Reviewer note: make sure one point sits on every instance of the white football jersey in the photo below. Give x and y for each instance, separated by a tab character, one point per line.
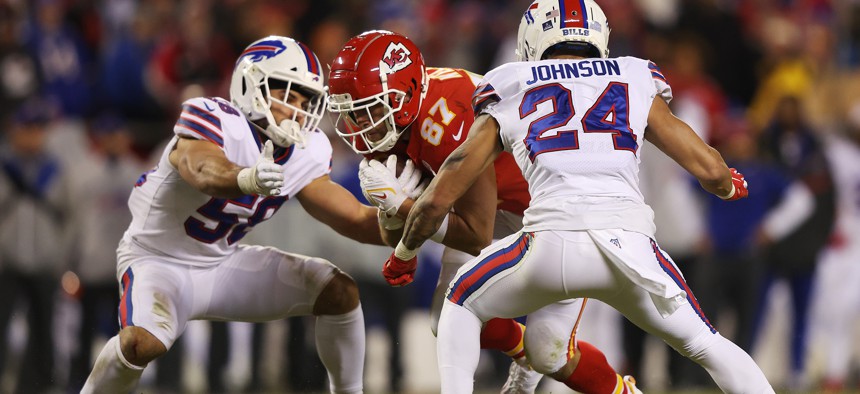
576	128
174	220
844	158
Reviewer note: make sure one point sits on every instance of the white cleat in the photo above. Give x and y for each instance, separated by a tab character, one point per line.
630	384
522	379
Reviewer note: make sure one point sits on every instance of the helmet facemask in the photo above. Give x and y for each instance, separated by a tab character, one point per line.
377	110
291	130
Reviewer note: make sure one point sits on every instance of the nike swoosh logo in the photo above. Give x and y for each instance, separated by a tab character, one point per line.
205	104
379	196
459	132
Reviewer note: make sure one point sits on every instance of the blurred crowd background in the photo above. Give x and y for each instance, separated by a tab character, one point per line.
89	91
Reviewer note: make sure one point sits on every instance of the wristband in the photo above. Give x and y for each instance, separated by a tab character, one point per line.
440	233
731	193
245	180
404	253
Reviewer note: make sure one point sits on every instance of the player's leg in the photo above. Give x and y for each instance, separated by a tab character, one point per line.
153	310
270	284
838	308
505	335
687	329
458	348
340	333
459	338
516	276
581	366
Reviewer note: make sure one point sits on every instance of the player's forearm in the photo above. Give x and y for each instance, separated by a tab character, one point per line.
424	219
391	237
363	228
405	207
212	175
466	238
713	173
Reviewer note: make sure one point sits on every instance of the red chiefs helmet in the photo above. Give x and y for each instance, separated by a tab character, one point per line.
377	83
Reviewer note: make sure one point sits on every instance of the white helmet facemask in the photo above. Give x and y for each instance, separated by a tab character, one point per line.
549	22
349	112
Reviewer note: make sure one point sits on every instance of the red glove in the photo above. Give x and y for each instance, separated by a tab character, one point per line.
739	186
399	272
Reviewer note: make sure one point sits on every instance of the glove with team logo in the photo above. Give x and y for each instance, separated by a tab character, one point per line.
265	178
399	269
739	187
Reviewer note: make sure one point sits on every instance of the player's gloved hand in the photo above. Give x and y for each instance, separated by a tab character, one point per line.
399	269
389	222
265	178
409	178
380	186
739	187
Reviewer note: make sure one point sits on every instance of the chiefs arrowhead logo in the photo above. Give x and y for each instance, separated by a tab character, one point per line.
396	58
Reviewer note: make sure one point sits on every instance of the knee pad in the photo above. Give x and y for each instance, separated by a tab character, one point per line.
698	345
341	294
139	347
546	346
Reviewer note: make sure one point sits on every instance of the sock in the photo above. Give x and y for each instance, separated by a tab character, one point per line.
593	374
505	335
112	373
340	345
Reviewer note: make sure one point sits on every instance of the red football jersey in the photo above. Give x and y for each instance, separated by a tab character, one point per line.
443	124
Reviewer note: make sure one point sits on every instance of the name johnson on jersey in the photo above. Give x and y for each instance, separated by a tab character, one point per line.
581	69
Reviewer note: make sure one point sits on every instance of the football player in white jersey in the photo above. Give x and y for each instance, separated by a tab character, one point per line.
838	302
230	166
574	120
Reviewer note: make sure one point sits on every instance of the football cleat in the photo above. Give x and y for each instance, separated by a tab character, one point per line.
522	379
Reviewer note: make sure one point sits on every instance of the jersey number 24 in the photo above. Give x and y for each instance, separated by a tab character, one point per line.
609	114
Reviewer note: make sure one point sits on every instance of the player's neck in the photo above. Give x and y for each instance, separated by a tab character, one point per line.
566	57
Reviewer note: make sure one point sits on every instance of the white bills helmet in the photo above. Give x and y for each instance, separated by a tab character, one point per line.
279	63
549	22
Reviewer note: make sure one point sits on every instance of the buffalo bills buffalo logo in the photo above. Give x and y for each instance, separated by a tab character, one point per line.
396	57
263	50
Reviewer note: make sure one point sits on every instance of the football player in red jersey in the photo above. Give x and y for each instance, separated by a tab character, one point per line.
390	105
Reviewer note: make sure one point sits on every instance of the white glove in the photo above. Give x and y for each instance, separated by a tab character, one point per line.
380	186
389	222
265	178
409	179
